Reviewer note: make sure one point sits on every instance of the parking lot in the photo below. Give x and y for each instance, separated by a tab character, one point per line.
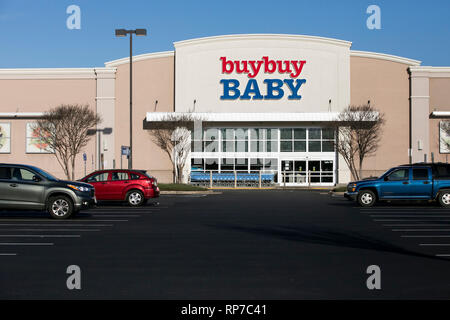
425	225
267	244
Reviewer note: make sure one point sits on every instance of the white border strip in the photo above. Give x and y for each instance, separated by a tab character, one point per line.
153	55
383	56
262	36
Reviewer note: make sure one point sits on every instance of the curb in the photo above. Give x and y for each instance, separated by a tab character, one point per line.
188	192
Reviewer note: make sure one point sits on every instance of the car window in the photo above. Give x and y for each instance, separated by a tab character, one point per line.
115	176
134	176
398	175
5	173
442	171
99	177
20	174
420	174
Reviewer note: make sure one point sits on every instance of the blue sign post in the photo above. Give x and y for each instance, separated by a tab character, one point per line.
84	160
124	151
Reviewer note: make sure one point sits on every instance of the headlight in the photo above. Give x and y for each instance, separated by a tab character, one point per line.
82	189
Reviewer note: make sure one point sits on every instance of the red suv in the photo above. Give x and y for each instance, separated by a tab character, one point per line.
133	186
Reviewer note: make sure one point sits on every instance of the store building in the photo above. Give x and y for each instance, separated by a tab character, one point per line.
265	102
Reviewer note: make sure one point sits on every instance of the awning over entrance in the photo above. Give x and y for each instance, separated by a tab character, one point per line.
247	117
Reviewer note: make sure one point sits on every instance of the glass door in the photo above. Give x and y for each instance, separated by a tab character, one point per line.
306	172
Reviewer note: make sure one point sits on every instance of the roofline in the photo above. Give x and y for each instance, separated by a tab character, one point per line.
429	72
55	73
384	56
140	57
262	36
21	115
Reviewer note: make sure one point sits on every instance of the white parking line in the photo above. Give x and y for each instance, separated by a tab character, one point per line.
51	230
434	244
427	236
8	254
40	236
443	255
414	225
26	244
411	220
65	221
405	216
403	208
52	225
419	230
116	216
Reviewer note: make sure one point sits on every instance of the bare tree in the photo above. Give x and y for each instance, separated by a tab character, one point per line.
359	131
64	129
173	135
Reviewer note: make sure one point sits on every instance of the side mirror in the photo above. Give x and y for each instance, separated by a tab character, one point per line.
36	179
386	178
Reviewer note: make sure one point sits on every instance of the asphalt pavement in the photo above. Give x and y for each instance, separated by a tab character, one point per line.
267	244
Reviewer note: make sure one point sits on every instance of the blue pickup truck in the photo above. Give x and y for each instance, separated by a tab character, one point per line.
419	181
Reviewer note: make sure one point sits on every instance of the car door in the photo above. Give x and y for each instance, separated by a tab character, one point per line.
421	184
26	188
396	184
119	182
5	181
100	183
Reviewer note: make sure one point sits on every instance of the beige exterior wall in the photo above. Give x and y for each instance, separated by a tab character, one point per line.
38	93
386	84
439	101
153	80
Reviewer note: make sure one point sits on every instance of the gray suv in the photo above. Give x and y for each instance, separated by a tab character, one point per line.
28	187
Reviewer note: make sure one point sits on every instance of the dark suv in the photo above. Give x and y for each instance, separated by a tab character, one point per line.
28	187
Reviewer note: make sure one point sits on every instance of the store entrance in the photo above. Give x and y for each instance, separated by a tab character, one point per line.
304	172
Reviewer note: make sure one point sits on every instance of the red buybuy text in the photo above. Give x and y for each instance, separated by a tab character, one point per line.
253	67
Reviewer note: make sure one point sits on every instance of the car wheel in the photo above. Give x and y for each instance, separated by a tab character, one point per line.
135	198
366	198
60	207
444	198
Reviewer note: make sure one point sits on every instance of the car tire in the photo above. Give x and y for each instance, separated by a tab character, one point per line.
60	207
444	198
135	198
366	198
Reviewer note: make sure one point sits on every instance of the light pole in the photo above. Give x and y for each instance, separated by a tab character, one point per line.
123	33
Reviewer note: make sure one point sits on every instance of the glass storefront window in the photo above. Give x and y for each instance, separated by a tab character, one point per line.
271	134
327	146
228	146
241	134
300	134
241	146
272	146
328	134
256	164
314	134
227	164
241	164
314	146
227	134
211	146
212	164
211	134
286	146
197	164
299	146
286	134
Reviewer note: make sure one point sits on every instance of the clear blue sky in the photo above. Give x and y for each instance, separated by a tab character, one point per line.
34	33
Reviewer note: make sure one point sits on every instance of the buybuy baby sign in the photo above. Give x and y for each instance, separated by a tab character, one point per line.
281	78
